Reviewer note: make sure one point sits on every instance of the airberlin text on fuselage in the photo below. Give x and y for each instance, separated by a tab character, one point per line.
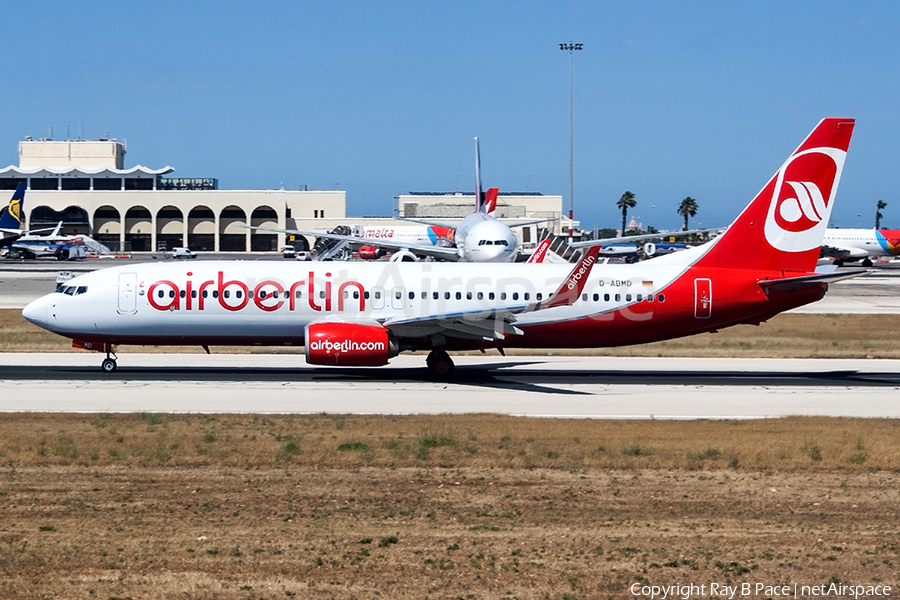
268	295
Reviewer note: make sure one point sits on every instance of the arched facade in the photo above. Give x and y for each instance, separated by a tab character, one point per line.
264	241
203	220
170	228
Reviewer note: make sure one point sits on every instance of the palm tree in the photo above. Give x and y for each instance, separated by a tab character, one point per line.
625	202
687	208
881	206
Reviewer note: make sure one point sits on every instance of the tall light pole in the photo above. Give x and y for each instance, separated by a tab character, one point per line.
571	47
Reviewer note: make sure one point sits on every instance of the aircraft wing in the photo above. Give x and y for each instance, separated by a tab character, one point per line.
523	222
639	238
494	324
455	224
449	254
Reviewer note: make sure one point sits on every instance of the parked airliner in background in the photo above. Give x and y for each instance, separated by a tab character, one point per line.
850	245
364	313
479	237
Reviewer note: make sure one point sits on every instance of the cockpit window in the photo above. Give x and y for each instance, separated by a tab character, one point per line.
82	289
69	290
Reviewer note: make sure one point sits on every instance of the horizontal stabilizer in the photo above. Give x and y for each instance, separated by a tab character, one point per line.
796	283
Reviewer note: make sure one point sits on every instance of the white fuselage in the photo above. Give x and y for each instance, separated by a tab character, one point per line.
482	238
272	302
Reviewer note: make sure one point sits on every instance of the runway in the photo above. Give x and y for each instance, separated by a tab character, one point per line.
553	386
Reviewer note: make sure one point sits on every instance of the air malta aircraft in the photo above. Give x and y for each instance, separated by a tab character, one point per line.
849	245
364	313
479	237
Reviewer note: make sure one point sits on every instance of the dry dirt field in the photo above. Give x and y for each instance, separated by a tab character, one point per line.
472	506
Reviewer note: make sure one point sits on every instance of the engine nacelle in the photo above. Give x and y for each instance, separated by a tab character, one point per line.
348	345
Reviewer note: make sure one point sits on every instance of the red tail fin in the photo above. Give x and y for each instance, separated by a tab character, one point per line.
783	227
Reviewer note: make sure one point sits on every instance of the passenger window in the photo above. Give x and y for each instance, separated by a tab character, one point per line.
171	293
182	294
661	297
365	295
491	296
377	295
345	294
596	297
412	295
649	297
640	297
538	296
527	296
424	295
459	295
435	295
446	295
397	295
226	294
193	293
515	295
321	294
161	294
606	297
298	293
618	297
584	297
356	295
627	297
216	294
481	295
468	295
503	295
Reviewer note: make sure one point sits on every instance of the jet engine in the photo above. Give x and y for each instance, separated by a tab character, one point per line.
349	345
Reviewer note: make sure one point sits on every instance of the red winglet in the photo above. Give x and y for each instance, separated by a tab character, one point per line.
540	252
572	287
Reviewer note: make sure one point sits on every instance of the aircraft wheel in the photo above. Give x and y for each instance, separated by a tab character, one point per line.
838	263
440	364
867	263
108	365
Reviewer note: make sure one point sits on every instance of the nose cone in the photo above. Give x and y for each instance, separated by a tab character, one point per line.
37	312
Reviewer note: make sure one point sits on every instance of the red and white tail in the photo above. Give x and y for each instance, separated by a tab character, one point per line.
783	227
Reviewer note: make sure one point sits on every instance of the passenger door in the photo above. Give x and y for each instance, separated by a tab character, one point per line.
127	293
702	298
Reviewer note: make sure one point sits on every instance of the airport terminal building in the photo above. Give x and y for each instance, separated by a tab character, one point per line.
84	184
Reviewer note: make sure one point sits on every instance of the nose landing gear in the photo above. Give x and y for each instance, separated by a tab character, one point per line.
109	363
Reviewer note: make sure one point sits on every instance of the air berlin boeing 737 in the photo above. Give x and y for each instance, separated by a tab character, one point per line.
362	314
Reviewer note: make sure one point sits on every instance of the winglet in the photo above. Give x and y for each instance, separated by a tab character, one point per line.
540	252
574	284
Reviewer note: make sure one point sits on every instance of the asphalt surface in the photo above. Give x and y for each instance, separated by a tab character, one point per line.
582	387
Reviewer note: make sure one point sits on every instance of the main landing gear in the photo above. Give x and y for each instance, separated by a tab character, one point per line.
109	363
440	365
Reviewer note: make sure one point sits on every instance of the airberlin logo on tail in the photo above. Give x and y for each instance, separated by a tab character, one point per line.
802	199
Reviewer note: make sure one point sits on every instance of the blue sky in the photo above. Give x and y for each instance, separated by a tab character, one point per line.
672	99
